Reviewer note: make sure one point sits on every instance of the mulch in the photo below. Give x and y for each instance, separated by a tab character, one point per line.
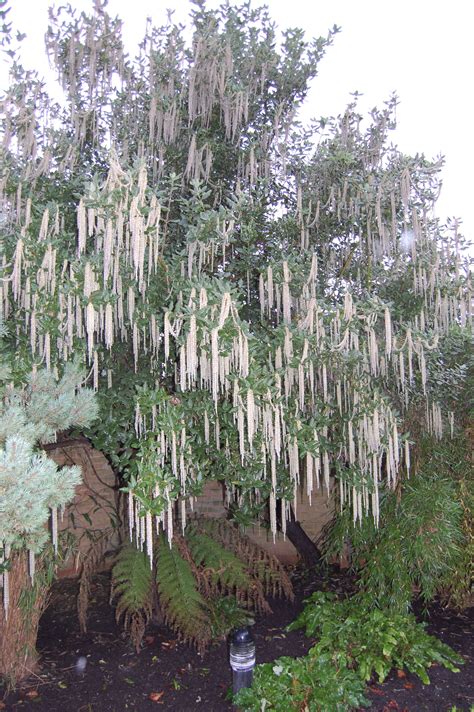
99	672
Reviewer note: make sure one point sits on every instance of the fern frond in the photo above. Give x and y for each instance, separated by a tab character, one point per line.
183	605
223	566
90	564
259	563
132	586
225	572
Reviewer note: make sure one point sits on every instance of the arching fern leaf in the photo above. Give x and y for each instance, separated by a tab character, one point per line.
260	564
132	586
225	572
183	605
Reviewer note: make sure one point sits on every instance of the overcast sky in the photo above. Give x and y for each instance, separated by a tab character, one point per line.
421	49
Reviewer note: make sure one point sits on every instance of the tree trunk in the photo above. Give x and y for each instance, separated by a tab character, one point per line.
19	627
306	548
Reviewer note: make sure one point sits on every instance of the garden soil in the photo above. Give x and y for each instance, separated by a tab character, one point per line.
99	671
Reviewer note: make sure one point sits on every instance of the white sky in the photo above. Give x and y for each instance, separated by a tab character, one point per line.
422	49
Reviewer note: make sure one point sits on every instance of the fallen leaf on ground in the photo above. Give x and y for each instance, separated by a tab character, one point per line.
156	696
409	685
401	673
376	690
32	694
149	639
169	644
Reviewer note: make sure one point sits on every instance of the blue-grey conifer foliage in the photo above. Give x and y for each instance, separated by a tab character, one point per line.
31	483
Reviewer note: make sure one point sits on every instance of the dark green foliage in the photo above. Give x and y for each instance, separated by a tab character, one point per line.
193	577
132	586
457	589
420	540
225	572
182	603
372	640
355	642
312	683
225	614
203	587
223	567
263	566
418	547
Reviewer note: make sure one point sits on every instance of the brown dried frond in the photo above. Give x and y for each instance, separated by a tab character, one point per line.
90	564
225	573
19	630
262	565
136	626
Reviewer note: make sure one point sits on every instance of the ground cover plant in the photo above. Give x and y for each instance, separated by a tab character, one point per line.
177	677
255	301
356	642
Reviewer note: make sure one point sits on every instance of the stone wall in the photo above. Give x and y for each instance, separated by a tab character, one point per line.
93	507
312	517
94	504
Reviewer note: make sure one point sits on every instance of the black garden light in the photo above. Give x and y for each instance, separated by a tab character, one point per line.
242	658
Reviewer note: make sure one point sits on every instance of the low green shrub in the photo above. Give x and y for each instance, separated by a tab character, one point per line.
316	683
356	642
374	641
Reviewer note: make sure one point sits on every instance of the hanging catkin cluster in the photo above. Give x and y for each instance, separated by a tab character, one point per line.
170	225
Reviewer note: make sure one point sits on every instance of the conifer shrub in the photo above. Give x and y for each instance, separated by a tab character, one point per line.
32	491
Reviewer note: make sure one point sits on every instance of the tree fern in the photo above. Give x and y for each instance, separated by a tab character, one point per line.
207	582
132	586
183	605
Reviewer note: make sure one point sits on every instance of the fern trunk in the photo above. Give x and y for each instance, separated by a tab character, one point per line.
19	629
